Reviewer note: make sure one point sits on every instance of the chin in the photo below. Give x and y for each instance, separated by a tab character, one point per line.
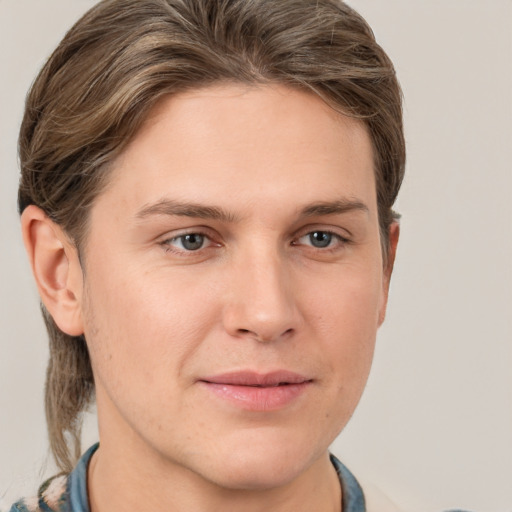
259	475
262	466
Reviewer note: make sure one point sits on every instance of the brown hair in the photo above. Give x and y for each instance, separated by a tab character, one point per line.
122	57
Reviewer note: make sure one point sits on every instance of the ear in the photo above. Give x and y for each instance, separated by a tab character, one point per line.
56	268
394	234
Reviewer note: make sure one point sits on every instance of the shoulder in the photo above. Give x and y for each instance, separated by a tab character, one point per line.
360	496
376	500
62	493
363	496
50	498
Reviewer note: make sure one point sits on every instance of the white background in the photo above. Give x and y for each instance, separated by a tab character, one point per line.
434	429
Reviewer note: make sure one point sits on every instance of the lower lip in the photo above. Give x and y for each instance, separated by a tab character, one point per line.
254	398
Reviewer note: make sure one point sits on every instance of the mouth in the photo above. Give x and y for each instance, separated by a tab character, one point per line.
258	391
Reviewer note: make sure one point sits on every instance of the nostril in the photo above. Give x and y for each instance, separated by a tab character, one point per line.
260	337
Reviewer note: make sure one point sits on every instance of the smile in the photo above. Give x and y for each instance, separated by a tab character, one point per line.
258	392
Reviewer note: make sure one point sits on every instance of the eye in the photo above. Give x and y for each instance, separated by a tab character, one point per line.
321	239
187	242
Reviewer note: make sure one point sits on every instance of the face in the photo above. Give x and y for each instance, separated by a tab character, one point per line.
234	284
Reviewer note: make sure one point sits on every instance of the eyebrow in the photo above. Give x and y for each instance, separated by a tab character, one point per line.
334	207
172	207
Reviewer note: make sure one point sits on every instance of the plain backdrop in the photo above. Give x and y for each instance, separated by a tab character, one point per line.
434	428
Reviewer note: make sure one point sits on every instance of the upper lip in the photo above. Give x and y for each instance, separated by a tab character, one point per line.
252	378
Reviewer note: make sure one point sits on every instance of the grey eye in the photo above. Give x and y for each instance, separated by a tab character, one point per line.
320	238
192	241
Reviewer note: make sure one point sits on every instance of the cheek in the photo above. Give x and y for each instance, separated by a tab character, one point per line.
349	299
342	322
142	325
347	316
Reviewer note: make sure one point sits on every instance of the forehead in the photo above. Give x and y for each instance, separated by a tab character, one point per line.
244	144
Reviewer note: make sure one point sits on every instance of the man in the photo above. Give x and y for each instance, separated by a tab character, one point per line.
206	201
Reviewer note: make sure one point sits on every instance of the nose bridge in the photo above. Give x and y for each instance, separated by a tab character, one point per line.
261	303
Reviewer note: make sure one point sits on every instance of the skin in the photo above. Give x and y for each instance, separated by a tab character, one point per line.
259	294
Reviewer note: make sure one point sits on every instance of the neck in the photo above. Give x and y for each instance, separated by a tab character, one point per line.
119	481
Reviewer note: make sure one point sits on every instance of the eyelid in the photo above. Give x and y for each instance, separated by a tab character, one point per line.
192	230
337	231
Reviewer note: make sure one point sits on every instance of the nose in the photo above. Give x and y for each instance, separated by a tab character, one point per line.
261	301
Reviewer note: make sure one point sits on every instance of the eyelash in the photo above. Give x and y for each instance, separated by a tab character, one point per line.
341	241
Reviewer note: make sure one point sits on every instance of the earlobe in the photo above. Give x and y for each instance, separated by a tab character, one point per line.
394	234
56	268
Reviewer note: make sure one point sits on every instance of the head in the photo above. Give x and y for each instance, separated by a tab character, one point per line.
114	78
